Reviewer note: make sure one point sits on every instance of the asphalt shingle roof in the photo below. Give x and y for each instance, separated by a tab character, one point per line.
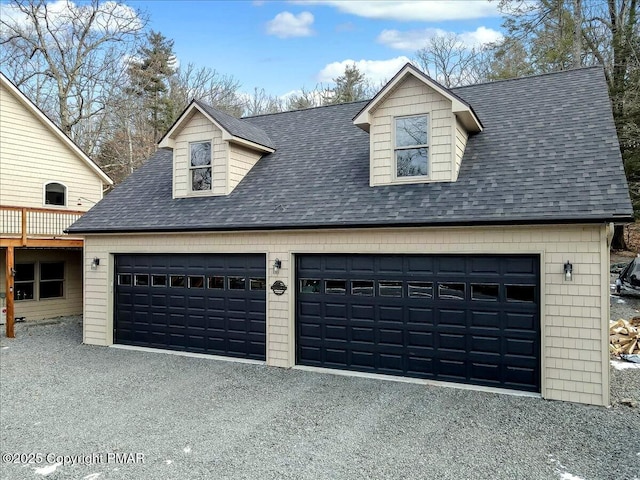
548	153
237	127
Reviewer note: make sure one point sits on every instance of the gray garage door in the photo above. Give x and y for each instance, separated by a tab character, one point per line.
211	304
467	319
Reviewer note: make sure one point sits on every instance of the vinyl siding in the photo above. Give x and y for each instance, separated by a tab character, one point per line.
199	129
32	155
411	97
241	160
69	304
574	315
461	143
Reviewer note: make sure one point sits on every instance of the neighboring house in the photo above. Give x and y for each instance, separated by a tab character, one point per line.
46	183
457	235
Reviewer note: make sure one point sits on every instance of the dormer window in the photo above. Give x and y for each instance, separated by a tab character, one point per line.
55	194
412	146
200	166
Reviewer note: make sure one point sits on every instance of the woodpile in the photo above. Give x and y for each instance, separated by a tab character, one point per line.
624	337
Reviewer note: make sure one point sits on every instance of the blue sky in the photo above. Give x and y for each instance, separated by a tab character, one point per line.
283	46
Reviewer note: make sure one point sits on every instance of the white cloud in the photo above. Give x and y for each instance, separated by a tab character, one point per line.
412	40
419	10
481	36
286	25
375	71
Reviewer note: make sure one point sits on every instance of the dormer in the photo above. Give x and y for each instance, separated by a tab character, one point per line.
418	130
212	151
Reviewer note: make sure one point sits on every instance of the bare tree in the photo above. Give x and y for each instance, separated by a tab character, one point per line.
259	103
304	99
448	61
206	84
70	59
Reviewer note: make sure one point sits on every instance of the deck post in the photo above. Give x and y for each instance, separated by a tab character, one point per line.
9	291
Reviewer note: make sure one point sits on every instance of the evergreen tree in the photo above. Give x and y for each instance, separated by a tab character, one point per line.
150	75
350	87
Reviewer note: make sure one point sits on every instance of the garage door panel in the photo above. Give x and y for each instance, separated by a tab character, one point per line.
519	377
486	372
362	312
362	265
335	332
525	347
391	314
200	303
521	321
336	356
484	266
449	317
490	319
420	366
452	370
391	337
463	318
419	339
485	344
362	359
451	265
390	363
419	265
362	334
335	310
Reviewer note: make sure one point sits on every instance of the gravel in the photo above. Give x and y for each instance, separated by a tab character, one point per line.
195	418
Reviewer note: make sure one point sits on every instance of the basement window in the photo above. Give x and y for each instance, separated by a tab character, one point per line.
200	166
411	146
52	280
24	281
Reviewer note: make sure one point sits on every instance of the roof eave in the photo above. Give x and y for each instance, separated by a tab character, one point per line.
613	218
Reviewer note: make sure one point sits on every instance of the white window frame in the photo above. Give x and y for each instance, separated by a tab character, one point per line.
44	194
191	168
396	148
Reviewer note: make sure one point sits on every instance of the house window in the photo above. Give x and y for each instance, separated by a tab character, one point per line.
200	166
24	281
51	280
412	147
55	194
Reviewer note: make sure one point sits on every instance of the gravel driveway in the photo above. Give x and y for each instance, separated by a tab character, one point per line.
193	418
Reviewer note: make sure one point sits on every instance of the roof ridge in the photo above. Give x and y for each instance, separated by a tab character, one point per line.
304	109
525	77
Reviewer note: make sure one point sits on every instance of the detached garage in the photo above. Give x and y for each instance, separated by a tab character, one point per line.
443	235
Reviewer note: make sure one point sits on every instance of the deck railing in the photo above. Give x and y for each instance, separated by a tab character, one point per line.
41	222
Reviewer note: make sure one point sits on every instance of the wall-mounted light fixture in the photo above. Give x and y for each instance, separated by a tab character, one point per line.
94	263
86	200
13	272
277	264
568	271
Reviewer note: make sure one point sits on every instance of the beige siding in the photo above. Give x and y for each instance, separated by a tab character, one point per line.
69	304
199	129
461	143
241	160
31	155
574	314
411	97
